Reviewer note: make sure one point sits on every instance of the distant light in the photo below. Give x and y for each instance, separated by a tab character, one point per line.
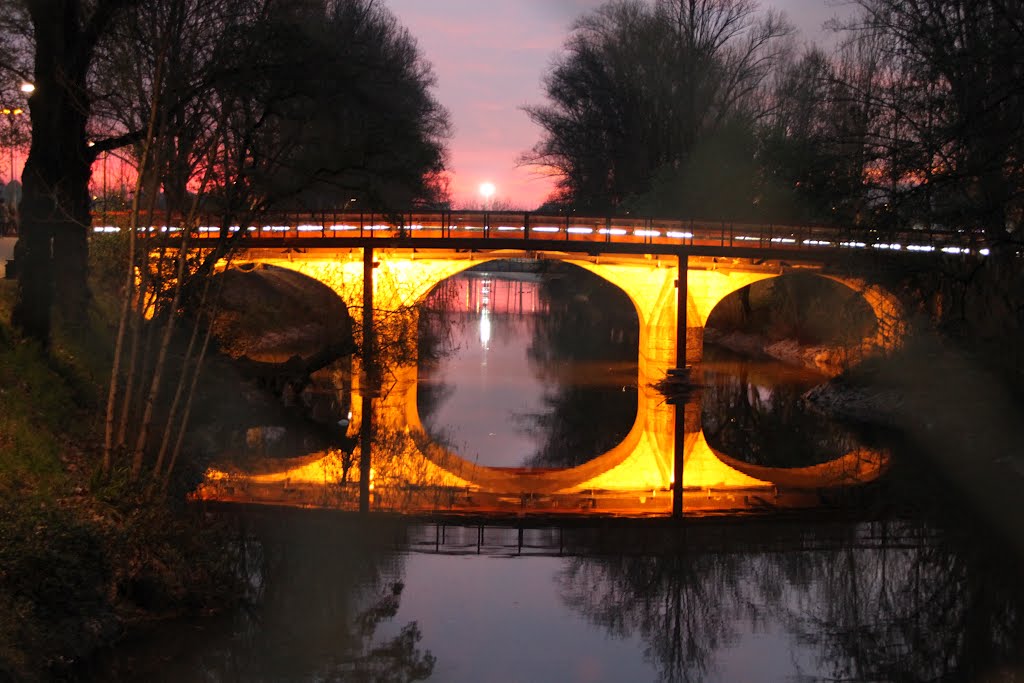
984	252
485	329
487	189
27	87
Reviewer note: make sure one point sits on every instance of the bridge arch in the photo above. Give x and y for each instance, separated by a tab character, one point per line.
406	276
887	310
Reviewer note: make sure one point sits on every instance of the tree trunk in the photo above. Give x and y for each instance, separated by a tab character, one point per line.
55	200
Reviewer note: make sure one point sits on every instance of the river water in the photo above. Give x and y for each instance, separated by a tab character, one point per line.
897	586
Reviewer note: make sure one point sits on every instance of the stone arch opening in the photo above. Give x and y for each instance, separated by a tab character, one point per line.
808	318
562	343
288	333
752	412
270	314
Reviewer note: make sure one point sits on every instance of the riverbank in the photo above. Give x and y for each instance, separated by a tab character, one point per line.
950	407
828	360
83	559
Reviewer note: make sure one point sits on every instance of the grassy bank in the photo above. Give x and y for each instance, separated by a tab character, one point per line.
80	558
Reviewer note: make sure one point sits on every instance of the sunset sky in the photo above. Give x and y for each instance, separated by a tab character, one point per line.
490	58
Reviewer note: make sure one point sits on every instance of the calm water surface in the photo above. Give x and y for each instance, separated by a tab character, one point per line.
903	587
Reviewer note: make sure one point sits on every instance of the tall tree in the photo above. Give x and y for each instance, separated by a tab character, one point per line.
949	109
55	201
640	85
316	103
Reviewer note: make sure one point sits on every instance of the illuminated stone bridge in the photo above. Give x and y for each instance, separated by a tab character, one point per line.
663	452
403	277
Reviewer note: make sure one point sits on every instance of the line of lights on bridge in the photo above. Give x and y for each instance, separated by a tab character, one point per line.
572	230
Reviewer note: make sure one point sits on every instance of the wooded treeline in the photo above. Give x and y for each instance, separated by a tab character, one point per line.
234	107
225	109
709	109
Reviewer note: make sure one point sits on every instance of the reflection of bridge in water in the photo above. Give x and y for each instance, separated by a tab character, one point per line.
413	473
663	462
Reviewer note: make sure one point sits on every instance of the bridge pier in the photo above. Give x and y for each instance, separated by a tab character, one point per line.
682	298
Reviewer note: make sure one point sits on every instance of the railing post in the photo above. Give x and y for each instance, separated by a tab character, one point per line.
369	388
682	296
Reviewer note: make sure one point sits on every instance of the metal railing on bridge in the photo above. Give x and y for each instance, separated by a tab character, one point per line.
275	229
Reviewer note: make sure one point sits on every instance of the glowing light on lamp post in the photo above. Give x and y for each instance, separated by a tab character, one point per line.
487	191
27	88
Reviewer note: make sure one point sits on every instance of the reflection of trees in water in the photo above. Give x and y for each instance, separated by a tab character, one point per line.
579	423
589	319
591	325
323	589
682	605
885	601
763	424
920	611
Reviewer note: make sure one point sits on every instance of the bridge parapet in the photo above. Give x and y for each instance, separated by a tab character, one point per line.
593	234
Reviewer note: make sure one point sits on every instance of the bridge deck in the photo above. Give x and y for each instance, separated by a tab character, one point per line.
531	232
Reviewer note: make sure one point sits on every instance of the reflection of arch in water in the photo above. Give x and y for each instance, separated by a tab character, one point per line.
642	462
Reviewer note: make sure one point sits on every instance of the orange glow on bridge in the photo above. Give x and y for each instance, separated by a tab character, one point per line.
415	473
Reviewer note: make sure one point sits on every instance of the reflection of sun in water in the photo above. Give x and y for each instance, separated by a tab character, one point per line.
485	328
485	316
